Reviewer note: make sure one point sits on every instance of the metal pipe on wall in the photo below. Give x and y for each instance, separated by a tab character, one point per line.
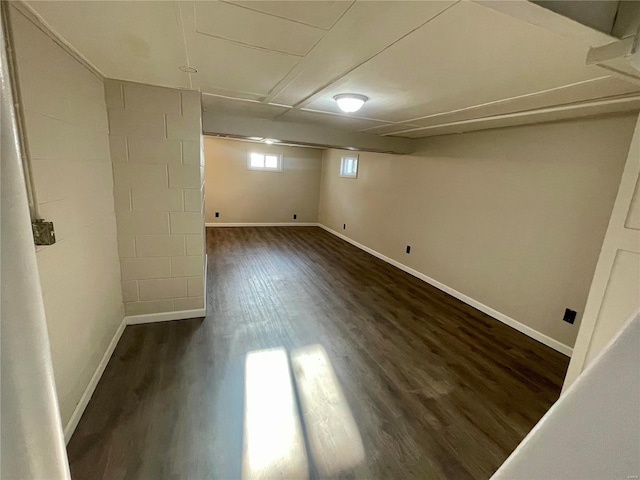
17	109
31	437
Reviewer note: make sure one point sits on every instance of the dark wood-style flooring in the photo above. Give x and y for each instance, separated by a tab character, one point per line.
437	388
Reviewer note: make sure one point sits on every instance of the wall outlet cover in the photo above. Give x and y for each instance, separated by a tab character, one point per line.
569	316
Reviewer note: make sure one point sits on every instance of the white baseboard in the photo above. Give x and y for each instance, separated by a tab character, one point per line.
93	383
206	276
541	337
285	224
97	375
166	316
201	312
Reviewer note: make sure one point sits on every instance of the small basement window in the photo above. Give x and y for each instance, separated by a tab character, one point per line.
270	162
349	167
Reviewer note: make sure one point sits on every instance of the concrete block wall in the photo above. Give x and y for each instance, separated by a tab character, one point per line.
155	137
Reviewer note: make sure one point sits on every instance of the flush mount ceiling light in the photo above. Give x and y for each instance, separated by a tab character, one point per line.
187	69
350	102
269	141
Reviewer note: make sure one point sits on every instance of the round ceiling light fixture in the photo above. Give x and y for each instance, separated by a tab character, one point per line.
350	102
187	69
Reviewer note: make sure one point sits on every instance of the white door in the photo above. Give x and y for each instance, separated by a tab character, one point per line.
615	290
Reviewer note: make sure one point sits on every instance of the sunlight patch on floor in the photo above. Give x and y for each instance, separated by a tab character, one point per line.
274	444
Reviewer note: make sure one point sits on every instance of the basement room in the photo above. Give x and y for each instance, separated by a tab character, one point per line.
300	239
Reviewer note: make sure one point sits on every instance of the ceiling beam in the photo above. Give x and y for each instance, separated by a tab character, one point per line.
303	134
541	115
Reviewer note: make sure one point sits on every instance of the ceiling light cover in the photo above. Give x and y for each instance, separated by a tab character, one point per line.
350	102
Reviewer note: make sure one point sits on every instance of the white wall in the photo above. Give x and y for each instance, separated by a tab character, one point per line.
513	218
67	134
156	149
241	195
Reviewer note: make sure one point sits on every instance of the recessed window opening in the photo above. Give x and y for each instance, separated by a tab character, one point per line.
349	166
270	162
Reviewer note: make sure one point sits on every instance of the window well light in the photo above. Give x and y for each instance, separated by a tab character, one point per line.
350	102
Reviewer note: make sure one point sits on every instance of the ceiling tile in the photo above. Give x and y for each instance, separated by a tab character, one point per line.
321	14
365	30
234	67
136	41
254	28
421	63
466	56
529	12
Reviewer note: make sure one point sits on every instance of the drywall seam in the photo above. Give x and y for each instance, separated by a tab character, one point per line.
530	332
166	316
93	383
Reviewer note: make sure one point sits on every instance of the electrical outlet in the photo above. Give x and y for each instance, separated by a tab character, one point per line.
569	316
217	214
408	249
344	226
295	216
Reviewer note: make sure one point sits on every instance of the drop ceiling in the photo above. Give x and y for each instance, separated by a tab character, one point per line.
425	65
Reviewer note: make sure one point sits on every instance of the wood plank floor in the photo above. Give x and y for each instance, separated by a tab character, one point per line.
437	388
